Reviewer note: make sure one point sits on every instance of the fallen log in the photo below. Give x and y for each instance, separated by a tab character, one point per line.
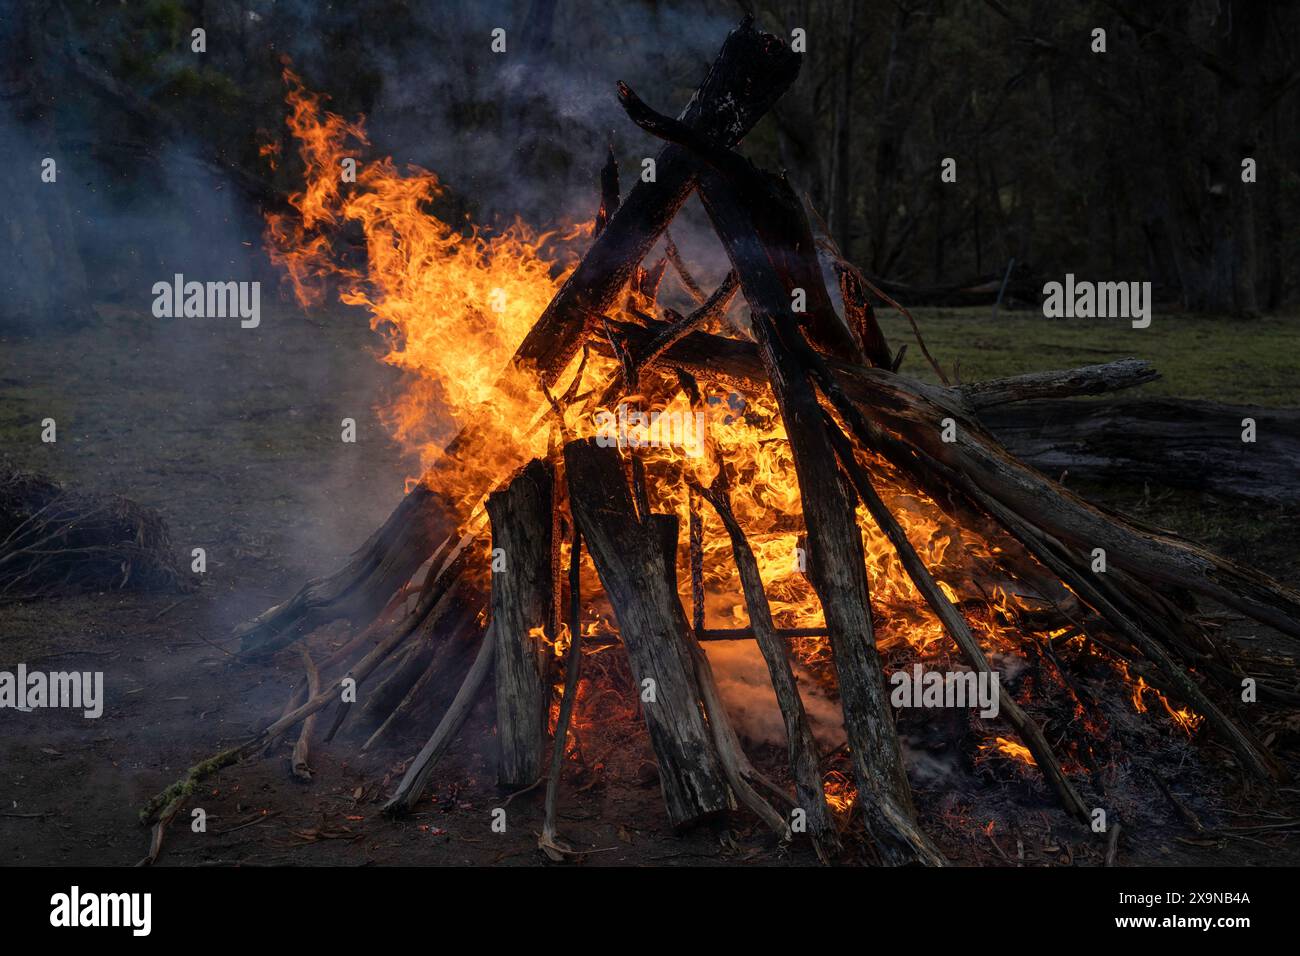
1186	444
1085	380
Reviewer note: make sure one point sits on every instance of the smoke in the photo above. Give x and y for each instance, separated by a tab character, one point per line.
524	132
746	690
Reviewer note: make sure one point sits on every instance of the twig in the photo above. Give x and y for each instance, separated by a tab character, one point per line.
683	273
299	763
572	665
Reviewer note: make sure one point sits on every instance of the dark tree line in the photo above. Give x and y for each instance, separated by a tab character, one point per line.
1122	165
1125	164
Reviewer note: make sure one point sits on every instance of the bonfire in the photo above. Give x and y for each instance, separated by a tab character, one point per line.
829	509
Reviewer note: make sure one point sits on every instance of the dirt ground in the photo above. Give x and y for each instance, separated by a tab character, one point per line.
233	435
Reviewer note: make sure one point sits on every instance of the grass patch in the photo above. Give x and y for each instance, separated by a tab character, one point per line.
1242	361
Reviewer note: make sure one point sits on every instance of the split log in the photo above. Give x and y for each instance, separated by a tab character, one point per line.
628	558
736	766
750	73
521	611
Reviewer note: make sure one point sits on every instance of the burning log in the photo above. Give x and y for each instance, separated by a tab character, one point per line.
805	765
836	563
974	460
916	411
730	190
629	559
953	621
